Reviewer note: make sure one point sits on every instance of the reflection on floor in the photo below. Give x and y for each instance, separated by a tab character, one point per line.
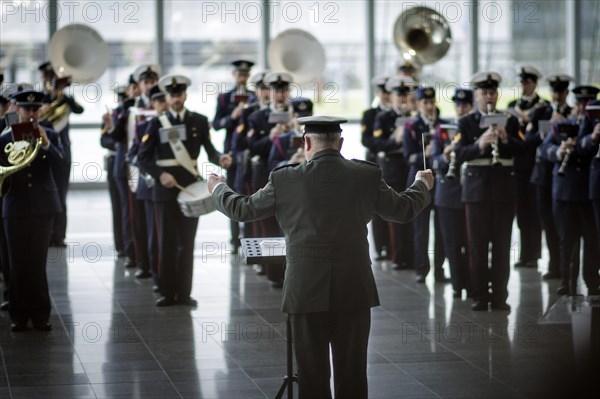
109	340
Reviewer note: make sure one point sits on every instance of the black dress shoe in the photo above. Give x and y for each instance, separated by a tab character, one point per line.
442	279
500	306
189	301
43	326
129	263
155	288
479	306
527	264
276	284
402	266
143	274
5	306
19	326
551	276
562	290
420	279
164	301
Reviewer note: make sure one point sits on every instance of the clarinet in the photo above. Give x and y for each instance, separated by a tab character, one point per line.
562	171
451	175
495	151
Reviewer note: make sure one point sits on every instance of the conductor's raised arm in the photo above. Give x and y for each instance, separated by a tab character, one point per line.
404	206
241	208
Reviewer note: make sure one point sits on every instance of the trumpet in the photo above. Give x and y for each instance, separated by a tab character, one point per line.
495	148
451	174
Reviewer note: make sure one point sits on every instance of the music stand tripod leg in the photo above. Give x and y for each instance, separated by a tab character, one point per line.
290	378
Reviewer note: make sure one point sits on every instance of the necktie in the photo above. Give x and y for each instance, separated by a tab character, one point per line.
177	120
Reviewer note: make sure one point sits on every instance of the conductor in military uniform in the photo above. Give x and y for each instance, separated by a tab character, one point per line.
323	206
172	162
29	208
488	190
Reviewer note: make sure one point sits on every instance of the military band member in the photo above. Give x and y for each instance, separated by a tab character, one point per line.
230	106
387	142
381	233
573	210
526	210
146	77
146	229
329	287
447	197
172	162
488	191
55	92
589	137
426	122
541	175
261	135
4	265
288	147
108	142
28	209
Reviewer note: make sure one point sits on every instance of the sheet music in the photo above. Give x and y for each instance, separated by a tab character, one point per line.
272	247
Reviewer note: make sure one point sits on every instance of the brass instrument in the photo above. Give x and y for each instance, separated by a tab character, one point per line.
299	53
20	155
422	35
495	145
451	174
56	113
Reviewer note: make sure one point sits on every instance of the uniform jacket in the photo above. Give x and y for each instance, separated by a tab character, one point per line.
367	125
590	151
541	174
448	192
412	141
223	120
574	185
282	150
395	168
487	183
33	190
151	150
323	207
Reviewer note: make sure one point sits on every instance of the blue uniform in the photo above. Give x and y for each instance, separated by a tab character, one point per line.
176	231
31	201
489	195
381	233
107	142
451	210
573	211
541	178
413	154
395	173
282	150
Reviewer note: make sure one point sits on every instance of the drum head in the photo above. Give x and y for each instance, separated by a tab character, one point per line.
195	200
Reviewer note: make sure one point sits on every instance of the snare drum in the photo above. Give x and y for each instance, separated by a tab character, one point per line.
198	204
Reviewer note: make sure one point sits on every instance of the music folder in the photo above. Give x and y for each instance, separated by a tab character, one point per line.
493	119
279	117
544	128
172	133
240	98
401	120
26	131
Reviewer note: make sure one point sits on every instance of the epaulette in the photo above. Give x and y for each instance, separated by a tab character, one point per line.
285	166
365	162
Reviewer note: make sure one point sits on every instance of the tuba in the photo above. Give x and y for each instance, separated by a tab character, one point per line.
298	53
422	35
79	52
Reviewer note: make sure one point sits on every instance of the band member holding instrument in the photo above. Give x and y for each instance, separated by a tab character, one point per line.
171	160
288	147
230	106
447	197
264	128
488	191
4	264
146	224
329	287
28	210
387	142
381	233
418	133
588	140
573	212
56	96
526	209
541	175
146	77
108	142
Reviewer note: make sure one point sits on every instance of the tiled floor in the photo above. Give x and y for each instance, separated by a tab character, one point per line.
109	340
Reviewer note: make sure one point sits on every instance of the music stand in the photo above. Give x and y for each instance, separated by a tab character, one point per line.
254	251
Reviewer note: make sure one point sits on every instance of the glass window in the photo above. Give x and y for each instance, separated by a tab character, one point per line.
522	32
23	39
590	42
